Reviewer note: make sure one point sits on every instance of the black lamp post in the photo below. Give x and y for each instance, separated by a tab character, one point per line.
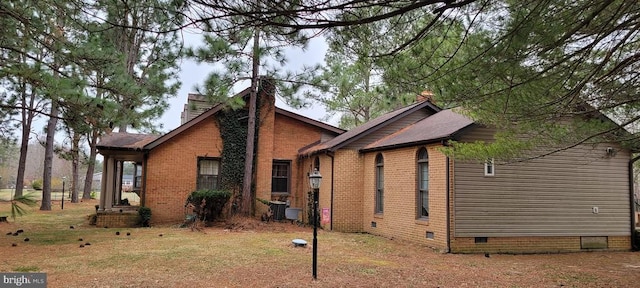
314	180
64	178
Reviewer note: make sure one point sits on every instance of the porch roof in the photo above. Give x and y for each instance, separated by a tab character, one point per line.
122	141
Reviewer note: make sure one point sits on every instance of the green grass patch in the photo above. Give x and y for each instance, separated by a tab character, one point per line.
26	269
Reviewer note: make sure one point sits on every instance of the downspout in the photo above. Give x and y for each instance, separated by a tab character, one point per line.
143	199
634	243
447	197
448	250
332	174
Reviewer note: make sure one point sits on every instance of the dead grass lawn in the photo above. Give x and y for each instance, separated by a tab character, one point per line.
255	254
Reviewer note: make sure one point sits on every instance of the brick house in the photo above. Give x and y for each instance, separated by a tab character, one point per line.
389	177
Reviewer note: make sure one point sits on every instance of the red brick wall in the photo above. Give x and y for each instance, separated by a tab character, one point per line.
116	219
280	139
172	166
264	153
172	170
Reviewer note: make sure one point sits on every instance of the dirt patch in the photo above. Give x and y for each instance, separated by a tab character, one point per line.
240	224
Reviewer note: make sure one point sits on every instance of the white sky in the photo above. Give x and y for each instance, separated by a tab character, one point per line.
193	74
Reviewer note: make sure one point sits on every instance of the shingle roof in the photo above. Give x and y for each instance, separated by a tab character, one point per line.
440	126
366	128
125	141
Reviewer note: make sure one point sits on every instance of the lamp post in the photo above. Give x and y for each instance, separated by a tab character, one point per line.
64	178
314	180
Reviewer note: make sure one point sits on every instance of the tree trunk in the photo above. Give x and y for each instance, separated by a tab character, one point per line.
48	157
88	180
75	166
27	119
247	199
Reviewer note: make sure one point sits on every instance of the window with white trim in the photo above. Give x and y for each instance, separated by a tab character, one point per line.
379	202
423	184
281	176
208	170
489	168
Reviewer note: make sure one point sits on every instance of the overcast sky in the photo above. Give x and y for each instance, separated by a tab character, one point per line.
192	74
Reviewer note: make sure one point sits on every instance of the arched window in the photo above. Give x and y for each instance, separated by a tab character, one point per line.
379	184
423	183
316	163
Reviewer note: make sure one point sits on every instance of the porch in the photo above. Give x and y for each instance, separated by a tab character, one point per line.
114	209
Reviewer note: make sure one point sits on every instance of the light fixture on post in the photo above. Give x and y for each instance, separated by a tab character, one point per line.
314	180
64	179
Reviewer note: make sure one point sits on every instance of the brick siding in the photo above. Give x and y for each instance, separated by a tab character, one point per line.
400	217
347	194
172	166
115	219
172	170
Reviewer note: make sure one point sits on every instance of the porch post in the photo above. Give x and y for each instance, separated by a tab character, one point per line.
103	183
118	190
110	187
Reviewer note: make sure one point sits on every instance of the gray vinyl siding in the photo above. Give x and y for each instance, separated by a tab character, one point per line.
388	129
550	196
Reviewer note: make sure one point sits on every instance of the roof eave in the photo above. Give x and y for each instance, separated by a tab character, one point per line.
422	105
404	145
310	121
137	149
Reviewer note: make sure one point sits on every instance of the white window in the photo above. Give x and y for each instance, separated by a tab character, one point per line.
379	202
423	184
281	176
208	173
489	168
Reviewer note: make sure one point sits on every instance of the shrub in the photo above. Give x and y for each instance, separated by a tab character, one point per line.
93	219
36	184
145	216
208	204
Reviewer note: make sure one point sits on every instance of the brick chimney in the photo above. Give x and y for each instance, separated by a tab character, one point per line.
426	95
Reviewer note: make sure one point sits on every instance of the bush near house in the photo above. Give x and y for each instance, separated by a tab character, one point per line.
208	204
145	216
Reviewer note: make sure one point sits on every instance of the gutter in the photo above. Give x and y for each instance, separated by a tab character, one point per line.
407	144
448	249
634	245
447	198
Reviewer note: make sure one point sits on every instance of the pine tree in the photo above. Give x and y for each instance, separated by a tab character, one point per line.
248	54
